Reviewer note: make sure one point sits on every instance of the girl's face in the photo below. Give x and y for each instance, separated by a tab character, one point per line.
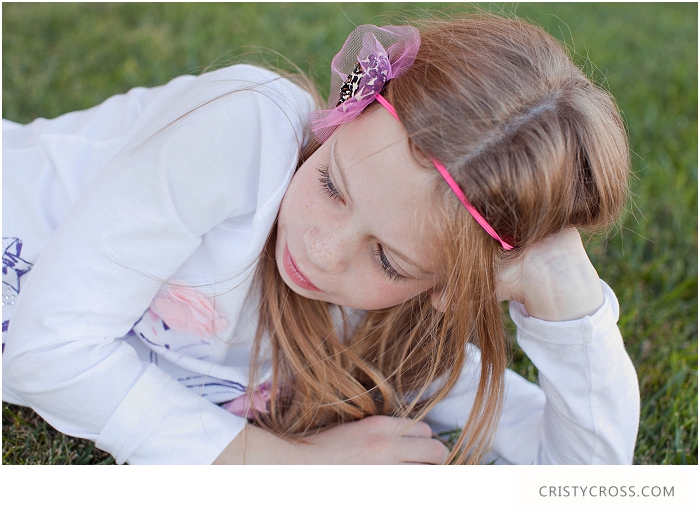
353	228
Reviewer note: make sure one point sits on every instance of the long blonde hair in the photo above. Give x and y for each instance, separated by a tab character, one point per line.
536	147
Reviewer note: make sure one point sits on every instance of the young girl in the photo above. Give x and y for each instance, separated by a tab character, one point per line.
191	276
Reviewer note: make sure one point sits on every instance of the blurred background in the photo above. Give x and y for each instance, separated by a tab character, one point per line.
59	57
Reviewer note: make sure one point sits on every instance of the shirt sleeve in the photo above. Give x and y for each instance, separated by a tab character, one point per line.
131	229
586	409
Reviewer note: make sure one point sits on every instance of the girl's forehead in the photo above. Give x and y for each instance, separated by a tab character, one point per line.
381	141
376	148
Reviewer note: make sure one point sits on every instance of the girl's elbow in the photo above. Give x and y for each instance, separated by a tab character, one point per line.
27	370
16	369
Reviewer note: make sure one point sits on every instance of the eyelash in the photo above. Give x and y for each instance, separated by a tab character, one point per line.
385	265
327	185
332	192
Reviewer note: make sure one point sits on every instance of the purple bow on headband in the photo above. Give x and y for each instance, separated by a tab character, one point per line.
369	58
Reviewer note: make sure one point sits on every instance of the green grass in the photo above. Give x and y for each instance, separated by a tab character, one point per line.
64	57
28	440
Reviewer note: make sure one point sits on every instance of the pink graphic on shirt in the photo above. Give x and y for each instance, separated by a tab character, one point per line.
186	310
243	406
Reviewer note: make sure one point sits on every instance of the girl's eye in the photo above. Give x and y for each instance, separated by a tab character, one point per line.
327	185
385	265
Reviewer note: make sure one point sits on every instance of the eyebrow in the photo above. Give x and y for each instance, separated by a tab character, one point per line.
393	251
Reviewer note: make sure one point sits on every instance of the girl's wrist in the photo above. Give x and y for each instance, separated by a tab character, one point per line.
555	280
581	297
255	446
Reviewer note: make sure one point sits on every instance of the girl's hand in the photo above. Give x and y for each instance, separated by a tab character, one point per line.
555	280
378	440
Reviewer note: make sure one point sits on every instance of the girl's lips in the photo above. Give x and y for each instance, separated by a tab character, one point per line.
294	274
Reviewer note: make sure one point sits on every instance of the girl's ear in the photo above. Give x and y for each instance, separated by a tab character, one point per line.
439	299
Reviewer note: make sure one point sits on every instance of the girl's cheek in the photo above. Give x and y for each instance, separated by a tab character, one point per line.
383	293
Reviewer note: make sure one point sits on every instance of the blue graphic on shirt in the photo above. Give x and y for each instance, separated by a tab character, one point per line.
13	267
5	324
157	335
151	342
217	391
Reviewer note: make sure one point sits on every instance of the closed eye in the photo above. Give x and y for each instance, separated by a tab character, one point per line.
327	185
385	265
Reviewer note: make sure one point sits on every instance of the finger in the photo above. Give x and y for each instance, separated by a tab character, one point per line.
393	425
418	430
396	426
422	450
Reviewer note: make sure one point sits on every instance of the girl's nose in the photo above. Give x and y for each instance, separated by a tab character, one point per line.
325	250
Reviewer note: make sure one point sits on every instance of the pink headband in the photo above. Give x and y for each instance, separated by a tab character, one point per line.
360	71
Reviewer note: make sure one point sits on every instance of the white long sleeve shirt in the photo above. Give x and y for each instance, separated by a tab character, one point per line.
112	229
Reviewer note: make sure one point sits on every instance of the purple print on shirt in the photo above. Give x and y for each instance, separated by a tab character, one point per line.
13	267
4	330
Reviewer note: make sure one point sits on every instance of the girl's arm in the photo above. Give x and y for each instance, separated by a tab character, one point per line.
132	228
586	410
